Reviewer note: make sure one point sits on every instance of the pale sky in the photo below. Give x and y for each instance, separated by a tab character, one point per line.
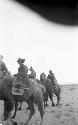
43	44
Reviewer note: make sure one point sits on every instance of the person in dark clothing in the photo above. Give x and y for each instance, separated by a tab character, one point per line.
22	68
51	76
22	71
3	69
22	74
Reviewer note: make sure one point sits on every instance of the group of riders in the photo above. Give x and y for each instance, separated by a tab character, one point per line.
23	72
27	86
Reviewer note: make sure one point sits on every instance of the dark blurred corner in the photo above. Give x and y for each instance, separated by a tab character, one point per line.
63	12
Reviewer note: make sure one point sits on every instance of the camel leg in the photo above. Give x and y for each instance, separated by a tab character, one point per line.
20	106
16	105
45	97
6	113
58	97
28	105
44	104
31	114
52	102
41	110
8	107
39	103
31	108
58	102
51	98
46	100
11	122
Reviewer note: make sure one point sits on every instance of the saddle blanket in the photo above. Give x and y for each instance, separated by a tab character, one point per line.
17	91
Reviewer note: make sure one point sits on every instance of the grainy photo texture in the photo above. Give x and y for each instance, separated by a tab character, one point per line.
38	62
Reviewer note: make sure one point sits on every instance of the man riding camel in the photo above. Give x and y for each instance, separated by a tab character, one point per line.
43	77
22	68
33	73
22	71
24	77
3	69
51	76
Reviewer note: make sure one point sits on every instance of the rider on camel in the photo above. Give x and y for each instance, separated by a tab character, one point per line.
22	71
3	69
43	77
33	73
52	77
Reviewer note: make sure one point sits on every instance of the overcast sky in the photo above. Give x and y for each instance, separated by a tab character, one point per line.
44	45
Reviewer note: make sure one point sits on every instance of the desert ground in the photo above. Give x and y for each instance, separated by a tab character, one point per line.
64	114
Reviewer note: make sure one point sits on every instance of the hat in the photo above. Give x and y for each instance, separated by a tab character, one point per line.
20	60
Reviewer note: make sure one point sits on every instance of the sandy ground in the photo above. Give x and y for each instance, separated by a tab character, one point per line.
64	114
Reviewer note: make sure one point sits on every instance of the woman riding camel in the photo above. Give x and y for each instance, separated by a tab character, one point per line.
3	69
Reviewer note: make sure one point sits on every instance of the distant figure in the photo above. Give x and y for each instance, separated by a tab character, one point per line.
51	76
33	73
3	69
43	77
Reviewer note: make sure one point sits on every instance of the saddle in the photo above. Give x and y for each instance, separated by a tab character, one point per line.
17	91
